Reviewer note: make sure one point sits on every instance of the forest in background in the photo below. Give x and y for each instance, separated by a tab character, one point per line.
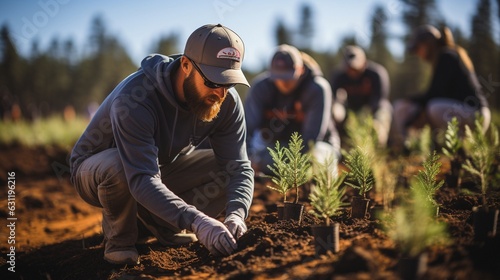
60	76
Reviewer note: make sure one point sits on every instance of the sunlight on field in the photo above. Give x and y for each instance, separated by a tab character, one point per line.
49	131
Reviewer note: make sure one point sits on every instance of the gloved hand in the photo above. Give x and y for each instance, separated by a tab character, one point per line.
236	225
214	235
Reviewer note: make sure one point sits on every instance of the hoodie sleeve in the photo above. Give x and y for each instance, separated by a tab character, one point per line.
229	144
133	126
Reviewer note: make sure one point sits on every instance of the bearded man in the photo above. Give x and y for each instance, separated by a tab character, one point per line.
140	158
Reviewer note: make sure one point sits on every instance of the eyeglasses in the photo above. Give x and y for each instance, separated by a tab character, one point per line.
207	82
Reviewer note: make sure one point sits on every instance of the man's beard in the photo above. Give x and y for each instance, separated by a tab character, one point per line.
197	104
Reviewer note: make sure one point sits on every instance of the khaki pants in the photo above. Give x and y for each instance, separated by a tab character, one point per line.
101	182
437	114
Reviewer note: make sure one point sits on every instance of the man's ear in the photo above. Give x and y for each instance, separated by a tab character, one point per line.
186	65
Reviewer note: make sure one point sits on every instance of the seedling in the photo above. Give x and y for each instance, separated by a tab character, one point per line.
280	170
290	166
453	150
326	195
426	178
481	151
362	133
452	144
413	226
360	174
420	143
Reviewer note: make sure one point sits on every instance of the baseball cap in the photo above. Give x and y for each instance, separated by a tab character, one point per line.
354	57
422	33
218	52
286	63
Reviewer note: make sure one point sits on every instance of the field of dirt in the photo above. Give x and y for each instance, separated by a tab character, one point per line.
58	236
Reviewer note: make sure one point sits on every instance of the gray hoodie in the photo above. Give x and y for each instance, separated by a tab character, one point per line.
149	127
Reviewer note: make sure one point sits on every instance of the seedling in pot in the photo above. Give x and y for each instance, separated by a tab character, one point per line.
360	177
426	179
291	169
481	151
326	200
326	194
413	228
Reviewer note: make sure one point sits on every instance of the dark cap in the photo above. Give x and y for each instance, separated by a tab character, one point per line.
286	63
422	33
354	57
218	51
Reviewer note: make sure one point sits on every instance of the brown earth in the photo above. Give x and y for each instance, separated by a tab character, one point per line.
58	236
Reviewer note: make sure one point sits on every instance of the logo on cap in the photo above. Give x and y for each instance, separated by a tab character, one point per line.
229	53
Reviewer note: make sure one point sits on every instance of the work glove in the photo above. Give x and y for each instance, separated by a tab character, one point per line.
214	235
236	225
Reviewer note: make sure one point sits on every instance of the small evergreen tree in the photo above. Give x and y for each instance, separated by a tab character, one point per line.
452	144
426	178
413	226
481	151
290	166
360	174
280	170
326	195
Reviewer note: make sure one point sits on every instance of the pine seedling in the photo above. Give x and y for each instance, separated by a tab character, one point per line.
426	178
413	226
452	143
362	133
360	174
280	169
481	151
326	195
290	166
298	163
420	143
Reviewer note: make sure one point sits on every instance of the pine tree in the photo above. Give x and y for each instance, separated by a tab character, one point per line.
283	35
378	50
483	50
306	28
414	75
482	45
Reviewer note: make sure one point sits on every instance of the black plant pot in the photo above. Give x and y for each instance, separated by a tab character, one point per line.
326	238
485	223
359	207
293	211
281	209
412	268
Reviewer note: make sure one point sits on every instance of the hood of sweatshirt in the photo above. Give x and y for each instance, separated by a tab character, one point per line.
158	69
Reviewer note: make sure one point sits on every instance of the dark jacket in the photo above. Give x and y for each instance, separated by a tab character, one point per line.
276	116
452	79
369	89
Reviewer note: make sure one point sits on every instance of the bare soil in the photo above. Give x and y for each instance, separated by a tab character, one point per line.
58	236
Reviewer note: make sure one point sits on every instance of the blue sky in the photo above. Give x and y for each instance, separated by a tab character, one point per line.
139	24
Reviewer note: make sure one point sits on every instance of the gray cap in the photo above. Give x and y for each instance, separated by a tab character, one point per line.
354	57
218	51
285	63
422	33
